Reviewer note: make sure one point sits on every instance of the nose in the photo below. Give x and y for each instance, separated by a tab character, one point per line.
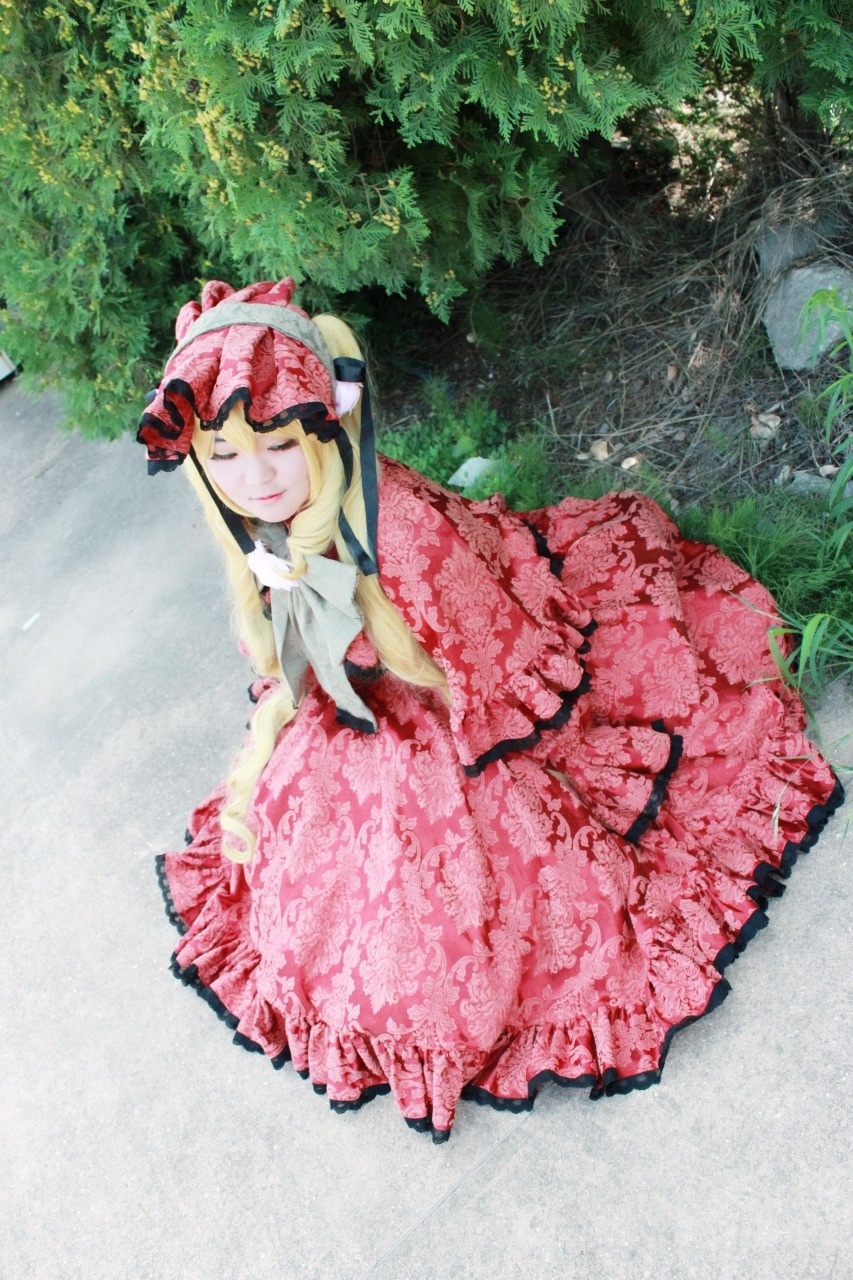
258	467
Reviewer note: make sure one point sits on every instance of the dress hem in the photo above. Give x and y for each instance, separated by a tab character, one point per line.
766	883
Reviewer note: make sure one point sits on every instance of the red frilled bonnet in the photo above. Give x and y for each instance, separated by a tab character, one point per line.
254	346
225	355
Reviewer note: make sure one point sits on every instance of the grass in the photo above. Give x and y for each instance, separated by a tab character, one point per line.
437	441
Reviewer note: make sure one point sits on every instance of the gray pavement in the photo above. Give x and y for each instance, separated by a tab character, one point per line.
138	1143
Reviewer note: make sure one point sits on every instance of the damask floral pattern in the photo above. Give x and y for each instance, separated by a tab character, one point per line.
436	911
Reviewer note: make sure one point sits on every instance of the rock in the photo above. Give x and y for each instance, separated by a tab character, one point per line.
807	483
794	347
781	246
471	470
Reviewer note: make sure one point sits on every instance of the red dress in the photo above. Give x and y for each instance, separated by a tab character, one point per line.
544	880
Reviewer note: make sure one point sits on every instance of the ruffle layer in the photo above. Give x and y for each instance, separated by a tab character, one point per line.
509	634
620	772
530	701
687	942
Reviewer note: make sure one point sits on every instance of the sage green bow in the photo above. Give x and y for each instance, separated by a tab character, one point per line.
315	620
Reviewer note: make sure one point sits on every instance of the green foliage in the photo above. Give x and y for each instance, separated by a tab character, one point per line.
85	263
407	143
806	48
439	443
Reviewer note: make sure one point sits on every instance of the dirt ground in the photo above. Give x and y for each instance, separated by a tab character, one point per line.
638	345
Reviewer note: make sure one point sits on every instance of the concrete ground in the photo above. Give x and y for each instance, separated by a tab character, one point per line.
138	1143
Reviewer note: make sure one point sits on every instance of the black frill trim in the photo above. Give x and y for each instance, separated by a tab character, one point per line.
354	722
156	465
610	1083
556	562
353	671
568	699
168	901
313	415
661	782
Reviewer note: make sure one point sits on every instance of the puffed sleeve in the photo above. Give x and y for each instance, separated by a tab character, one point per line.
488	606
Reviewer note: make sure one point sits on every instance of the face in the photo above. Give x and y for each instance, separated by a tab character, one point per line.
271	484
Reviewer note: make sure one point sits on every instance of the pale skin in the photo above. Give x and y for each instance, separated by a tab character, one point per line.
270	482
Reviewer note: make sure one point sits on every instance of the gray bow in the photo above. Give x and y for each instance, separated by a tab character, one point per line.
314	624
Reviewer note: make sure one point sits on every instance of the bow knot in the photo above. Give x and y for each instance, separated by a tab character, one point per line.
315	619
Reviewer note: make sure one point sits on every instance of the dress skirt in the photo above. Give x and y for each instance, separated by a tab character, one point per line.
543	880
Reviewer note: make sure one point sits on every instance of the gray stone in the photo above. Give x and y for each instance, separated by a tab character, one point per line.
809	483
806	484
779	247
795	345
471	470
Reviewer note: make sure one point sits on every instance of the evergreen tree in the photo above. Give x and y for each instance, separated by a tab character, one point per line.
409	143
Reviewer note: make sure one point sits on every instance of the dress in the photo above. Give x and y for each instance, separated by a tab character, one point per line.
544	880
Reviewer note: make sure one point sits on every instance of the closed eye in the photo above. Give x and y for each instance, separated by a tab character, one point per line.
282	446
225	450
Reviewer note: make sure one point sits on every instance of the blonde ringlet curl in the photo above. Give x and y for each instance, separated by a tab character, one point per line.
312	531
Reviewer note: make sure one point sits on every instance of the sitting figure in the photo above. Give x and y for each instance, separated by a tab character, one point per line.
516	787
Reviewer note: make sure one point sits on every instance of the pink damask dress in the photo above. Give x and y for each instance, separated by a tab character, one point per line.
544	880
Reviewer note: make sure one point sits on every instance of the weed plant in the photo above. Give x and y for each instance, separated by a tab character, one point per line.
829	308
825	639
802	550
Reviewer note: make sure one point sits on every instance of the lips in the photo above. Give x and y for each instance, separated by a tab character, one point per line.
269	497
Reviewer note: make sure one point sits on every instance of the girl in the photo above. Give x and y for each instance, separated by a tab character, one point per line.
516	787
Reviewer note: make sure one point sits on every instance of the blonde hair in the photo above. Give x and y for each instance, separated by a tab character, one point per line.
312	530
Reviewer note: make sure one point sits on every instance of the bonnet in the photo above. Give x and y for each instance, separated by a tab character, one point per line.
254	346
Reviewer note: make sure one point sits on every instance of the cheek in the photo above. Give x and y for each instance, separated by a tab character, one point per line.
229	477
298	472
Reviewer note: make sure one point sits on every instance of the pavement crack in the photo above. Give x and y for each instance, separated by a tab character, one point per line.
451	1191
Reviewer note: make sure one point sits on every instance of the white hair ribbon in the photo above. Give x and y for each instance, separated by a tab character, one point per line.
346	396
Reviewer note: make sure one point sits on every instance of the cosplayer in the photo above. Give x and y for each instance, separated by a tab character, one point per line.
515	789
